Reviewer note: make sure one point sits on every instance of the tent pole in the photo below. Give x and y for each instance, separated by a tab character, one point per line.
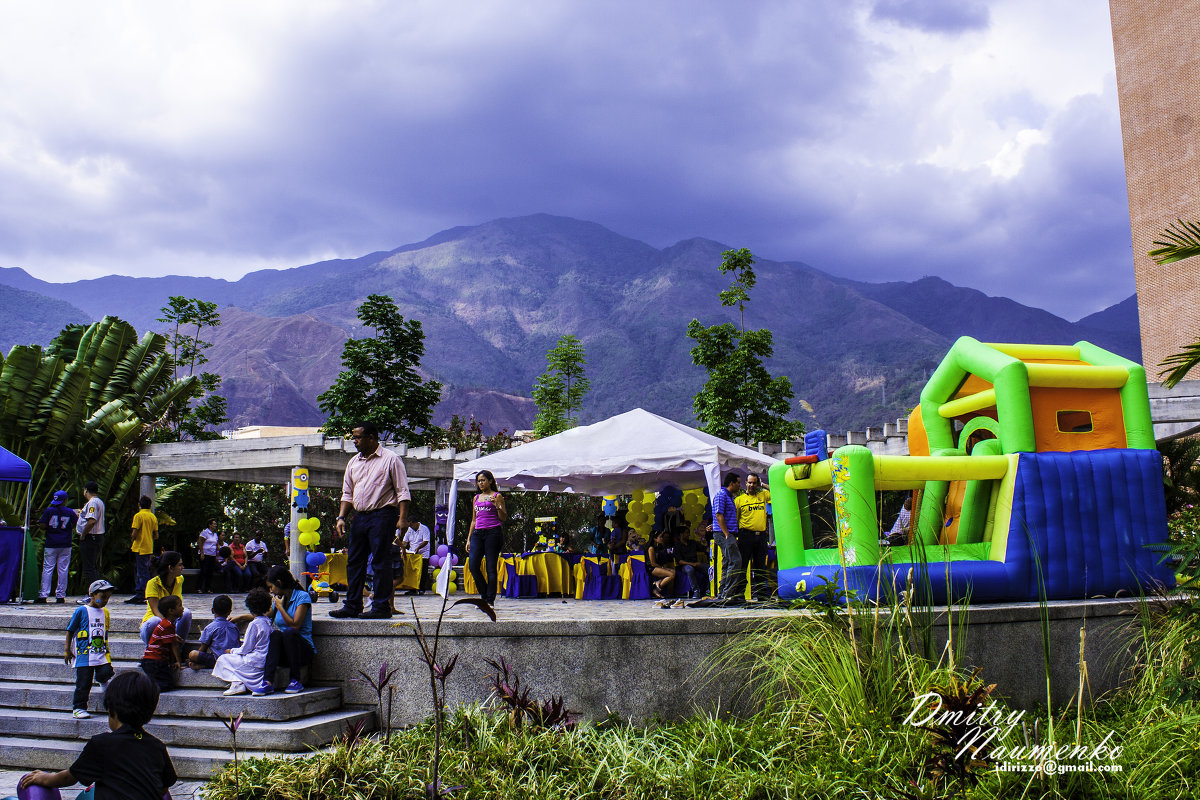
24	536
451	505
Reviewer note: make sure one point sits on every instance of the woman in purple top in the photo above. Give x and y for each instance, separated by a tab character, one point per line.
485	535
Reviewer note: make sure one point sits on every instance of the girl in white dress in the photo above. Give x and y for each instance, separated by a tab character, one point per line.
243	666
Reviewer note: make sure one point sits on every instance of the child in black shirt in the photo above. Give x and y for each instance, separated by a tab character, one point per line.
127	764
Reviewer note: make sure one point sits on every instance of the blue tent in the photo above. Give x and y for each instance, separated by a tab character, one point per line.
13	468
12	538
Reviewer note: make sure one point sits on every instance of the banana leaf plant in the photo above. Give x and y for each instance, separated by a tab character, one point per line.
78	409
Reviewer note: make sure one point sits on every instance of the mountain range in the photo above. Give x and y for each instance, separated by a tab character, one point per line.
493	298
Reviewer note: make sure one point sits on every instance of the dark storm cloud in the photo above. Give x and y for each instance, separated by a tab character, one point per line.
934	16
789	128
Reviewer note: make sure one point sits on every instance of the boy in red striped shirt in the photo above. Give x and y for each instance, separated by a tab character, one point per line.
162	660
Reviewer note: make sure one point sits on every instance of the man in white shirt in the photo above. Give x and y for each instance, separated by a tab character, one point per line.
207	545
416	540
255	550
90	528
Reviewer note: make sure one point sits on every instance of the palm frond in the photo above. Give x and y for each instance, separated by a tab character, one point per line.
1178	365
1179	241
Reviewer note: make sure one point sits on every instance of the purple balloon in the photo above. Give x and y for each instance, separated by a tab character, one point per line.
442	550
38	793
453	560
435	560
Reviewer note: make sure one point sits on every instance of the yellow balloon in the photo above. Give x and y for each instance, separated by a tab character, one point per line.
638	494
308	524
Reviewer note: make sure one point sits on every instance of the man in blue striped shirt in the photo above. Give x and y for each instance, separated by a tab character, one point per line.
725	526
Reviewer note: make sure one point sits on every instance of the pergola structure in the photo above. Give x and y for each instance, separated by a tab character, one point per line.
276	459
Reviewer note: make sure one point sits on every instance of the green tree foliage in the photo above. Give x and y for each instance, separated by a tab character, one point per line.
1181	240
467	434
198	415
76	410
379	381
740	401
559	391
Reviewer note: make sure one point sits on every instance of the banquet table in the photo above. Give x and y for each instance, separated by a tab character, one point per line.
527	575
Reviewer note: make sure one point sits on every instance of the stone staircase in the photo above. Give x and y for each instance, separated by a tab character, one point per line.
38	730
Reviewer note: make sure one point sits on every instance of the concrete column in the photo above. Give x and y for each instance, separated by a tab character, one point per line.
146	489
296	551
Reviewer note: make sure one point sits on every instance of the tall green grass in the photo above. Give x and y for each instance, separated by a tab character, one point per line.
829	724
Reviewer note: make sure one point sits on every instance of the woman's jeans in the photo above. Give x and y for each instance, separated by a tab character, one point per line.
287	648
183	626
486	542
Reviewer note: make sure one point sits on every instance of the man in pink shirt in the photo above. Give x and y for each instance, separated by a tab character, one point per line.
376	487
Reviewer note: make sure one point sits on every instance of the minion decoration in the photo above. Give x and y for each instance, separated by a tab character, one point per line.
610	505
300	488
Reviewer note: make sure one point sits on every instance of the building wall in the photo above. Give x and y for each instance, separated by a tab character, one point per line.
1158	81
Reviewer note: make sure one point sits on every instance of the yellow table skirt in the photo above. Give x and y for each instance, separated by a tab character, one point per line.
334	570
553	573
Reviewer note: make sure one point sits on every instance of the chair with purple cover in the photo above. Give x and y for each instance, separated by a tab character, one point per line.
635	580
521	580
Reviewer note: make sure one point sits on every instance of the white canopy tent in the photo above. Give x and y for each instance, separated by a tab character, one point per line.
634	450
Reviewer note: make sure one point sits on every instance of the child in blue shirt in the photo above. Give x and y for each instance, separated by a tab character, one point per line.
218	638
87	645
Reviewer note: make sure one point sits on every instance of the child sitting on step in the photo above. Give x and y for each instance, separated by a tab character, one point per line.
218	637
127	763
244	667
87	645
161	660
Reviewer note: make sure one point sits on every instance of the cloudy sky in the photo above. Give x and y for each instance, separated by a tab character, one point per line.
978	140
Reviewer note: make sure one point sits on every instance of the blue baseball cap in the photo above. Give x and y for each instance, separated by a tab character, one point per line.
60	497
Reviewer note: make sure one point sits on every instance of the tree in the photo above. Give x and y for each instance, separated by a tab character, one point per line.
740	400
559	391
77	410
198	415
467	434
1181	240
379	382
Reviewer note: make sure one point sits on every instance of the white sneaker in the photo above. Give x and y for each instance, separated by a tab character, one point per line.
235	688
80	713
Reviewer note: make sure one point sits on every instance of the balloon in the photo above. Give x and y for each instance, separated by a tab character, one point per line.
638	494
435	560
437	572
34	792
442	550
320	557
312	560
453	560
308	524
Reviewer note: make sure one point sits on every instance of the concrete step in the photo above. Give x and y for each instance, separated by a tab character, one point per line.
53	619
183	702
192	763
53	670
121	648
297	735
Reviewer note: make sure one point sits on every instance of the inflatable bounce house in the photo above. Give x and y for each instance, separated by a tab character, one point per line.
1033	469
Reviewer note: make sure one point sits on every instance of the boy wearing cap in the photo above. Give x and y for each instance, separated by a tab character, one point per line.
57	521
87	645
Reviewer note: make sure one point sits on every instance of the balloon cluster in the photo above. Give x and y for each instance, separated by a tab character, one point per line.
694	504
637	513
444	559
308	535
314	560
